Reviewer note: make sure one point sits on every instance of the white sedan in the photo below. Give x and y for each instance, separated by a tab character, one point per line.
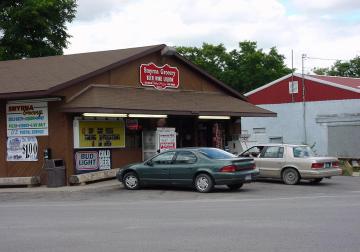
292	163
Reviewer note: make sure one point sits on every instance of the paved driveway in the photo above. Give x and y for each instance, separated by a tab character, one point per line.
265	216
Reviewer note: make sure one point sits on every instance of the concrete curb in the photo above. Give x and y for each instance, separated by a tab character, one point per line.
92	176
102	185
20	181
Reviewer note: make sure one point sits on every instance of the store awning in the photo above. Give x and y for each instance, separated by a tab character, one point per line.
117	99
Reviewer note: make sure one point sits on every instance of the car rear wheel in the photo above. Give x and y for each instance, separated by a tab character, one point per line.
131	181
235	187
204	183
290	176
316	181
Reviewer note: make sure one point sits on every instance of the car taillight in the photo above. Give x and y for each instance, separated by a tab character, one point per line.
228	168
335	164
317	165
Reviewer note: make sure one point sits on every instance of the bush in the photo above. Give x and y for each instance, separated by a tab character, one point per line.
347	169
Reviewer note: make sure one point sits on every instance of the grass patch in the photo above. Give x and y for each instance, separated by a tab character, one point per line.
347	169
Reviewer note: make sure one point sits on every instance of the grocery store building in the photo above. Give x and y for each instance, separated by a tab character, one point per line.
102	110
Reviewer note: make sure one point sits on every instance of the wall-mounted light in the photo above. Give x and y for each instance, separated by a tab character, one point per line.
214	117
103	115
147	116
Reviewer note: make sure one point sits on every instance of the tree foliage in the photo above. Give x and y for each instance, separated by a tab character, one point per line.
34	28
349	68
244	69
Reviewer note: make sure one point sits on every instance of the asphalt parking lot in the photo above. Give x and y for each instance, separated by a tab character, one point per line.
264	216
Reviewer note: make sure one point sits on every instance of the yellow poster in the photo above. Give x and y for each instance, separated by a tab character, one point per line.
102	134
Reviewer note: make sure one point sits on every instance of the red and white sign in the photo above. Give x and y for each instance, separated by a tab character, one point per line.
166	139
163	77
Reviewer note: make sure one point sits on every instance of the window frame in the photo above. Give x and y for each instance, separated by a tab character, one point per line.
171	161
177	154
262	155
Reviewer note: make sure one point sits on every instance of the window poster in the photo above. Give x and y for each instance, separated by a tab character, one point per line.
101	134
27	119
22	149
166	139
92	160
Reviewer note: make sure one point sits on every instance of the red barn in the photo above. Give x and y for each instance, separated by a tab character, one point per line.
322	111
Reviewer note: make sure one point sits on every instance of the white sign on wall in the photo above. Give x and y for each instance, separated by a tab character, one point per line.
22	149
166	139
27	119
104	160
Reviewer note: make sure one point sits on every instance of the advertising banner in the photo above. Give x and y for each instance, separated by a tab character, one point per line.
101	134
166	138
92	160
27	119
158	77
22	149
104	159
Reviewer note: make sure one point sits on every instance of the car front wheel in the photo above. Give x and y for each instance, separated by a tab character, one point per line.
204	183
131	181
290	176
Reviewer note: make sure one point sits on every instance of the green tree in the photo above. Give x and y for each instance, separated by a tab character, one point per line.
244	69
34	28
349	68
320	70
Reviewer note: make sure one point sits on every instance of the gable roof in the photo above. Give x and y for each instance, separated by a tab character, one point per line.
346	83
45	75
54	72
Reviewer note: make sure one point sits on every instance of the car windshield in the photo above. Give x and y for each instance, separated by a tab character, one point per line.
303	152
216	153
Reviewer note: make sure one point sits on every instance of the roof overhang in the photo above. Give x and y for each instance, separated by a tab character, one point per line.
117	99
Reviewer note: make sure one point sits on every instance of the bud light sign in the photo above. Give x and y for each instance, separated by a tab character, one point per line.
158	77
87	160
92	160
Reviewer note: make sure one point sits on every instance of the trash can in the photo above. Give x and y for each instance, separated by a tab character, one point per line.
55	172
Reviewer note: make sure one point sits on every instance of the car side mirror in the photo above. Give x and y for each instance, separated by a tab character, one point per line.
149	163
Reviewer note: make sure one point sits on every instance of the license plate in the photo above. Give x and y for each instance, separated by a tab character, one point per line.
248	177
327	165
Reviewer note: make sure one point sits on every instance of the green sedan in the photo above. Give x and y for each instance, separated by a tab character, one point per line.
202	168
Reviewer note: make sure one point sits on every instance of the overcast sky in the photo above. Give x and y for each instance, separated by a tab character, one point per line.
328	29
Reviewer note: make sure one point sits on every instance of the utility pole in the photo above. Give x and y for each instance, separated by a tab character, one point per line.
292	76
303	57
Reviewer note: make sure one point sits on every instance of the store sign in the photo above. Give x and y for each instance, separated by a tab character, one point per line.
27	119
22	149
101	134
132	124
87	160
166	138
93	160
163	77
104	159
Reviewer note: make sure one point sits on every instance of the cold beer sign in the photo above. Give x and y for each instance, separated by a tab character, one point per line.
158	77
